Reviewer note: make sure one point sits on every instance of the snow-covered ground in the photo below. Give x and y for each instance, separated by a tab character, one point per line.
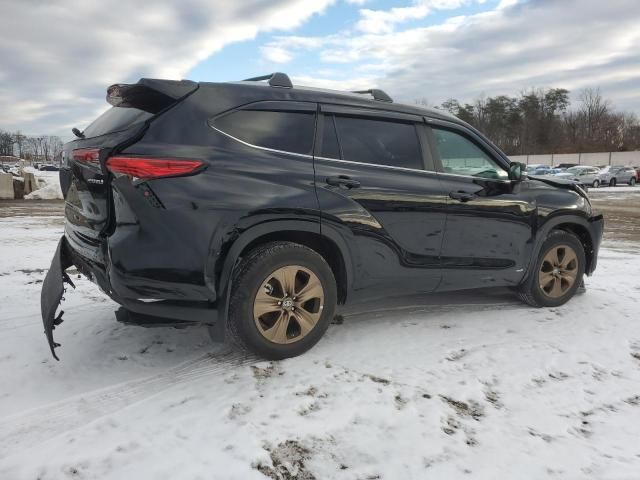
619	189
472	385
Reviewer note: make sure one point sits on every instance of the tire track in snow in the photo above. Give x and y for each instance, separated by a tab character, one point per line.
44	423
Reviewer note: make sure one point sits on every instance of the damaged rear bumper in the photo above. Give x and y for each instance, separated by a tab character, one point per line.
140	311
52	291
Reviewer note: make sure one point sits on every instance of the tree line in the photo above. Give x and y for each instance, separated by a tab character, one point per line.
542	121
38	148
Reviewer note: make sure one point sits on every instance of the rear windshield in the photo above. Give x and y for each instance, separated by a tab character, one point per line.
116	119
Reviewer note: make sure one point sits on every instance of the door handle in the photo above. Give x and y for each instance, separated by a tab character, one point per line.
343	181
462	196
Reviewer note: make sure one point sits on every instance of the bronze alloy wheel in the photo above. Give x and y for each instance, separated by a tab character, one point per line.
288	304
558	271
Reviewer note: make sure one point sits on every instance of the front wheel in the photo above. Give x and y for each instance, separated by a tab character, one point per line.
557	273
612	182
632	182
596	183
283	299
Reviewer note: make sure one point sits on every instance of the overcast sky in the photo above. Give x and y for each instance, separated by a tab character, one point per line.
58	57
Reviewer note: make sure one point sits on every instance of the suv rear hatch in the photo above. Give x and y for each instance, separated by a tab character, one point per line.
84	178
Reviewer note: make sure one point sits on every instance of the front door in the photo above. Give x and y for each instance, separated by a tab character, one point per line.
490	227
377	188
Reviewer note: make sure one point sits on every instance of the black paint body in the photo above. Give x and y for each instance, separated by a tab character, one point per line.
168	247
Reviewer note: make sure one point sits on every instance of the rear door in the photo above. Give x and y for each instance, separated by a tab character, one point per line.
377	188
83	178
490	225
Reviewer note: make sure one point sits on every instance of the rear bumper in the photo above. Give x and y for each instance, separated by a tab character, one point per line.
596	229
148	296
52	292
53	288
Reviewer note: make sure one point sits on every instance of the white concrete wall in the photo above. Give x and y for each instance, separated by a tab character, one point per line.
604	158
6	186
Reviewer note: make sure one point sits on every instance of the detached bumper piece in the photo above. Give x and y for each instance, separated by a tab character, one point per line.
52	291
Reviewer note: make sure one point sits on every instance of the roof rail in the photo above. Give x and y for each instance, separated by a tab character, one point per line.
377	94
276	79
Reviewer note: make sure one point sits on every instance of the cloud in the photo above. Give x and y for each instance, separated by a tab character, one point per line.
543	43
276	54
384	21
59	57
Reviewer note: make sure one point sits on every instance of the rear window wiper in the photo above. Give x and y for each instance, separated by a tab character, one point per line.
77	132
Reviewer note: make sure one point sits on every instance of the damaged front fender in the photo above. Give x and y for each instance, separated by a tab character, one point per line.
53	290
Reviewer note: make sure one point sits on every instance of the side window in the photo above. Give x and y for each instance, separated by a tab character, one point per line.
288	131
379	142
461	156
330	147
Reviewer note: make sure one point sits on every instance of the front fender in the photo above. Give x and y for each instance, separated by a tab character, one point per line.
593	225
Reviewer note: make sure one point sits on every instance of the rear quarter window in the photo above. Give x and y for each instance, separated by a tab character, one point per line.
286	131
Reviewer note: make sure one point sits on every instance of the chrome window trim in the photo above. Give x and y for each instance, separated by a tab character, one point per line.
388	167
266	149
304	155
475	178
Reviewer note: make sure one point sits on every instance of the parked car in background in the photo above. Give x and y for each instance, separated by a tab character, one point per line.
582	174
49	168
637	169
615	175
564	166
542	170
537	169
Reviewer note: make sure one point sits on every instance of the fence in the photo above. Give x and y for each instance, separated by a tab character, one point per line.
592	159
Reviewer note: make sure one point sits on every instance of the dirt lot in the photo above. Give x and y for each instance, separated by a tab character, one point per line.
621	213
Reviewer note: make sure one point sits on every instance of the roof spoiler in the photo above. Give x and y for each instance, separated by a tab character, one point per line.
148	91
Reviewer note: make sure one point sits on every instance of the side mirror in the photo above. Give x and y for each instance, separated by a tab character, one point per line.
516	171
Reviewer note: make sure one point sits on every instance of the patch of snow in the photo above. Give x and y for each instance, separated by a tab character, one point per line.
49	185
621	189
466	385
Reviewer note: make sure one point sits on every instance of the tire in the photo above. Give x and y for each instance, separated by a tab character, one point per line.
532	292
632	181
257	278
596	183
612	182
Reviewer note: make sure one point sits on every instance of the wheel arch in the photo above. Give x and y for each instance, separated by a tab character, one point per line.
575	224
328	244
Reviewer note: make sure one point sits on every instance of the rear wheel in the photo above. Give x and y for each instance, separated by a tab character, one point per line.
557	273
612	182
283	299
596	183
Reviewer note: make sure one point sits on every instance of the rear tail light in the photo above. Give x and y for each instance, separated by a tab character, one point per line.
150	168
89	156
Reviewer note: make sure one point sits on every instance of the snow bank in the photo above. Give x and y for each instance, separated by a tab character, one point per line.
48	185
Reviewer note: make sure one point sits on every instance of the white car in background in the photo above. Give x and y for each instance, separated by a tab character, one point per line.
616	175
582	174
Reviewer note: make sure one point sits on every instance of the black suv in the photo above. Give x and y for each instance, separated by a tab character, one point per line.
259	208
